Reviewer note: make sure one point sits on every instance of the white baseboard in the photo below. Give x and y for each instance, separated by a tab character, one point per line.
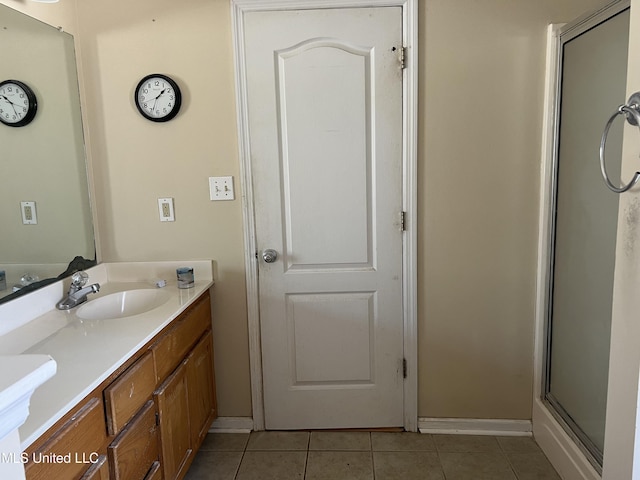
476	426
232	425
458	426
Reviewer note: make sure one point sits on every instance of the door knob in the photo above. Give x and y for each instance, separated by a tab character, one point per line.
269	255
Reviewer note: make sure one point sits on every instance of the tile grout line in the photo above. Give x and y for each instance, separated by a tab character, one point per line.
235	477
506	457
306	461
373	463
435	446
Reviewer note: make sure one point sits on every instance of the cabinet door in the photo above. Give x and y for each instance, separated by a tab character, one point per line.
175	432
200	380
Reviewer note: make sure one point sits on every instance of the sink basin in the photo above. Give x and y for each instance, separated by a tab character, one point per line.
122	304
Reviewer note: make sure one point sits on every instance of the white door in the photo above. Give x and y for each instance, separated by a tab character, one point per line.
324	90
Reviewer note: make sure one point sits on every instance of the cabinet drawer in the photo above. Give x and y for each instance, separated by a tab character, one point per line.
79	439
136	448
124	397
170	350
98	471
155	473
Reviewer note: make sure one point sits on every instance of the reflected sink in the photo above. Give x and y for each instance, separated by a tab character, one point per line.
122	304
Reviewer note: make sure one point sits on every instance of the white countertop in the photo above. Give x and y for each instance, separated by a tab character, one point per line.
89	351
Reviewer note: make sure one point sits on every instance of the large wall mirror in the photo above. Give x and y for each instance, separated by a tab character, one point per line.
42	162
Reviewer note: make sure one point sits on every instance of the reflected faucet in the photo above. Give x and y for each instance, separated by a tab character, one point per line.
77	292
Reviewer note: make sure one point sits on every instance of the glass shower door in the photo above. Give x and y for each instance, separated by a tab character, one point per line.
593	78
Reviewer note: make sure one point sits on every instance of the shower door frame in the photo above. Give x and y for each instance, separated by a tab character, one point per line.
554	432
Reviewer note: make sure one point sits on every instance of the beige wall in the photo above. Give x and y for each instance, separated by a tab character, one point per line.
481	85
481	76
136	161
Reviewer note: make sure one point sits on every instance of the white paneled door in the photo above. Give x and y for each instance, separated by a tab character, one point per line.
324	90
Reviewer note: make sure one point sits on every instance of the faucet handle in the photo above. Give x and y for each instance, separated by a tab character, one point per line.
79	279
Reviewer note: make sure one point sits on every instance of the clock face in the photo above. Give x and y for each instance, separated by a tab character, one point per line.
158	98
18	103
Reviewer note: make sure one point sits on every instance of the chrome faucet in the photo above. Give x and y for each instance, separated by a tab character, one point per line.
77	292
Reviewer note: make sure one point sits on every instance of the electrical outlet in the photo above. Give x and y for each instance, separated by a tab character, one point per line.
28	210
165	208
221	188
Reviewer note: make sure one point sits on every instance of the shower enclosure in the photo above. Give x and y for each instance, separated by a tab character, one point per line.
580	225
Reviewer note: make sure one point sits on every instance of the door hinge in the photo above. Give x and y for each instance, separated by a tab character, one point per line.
403	221
404	368
402	56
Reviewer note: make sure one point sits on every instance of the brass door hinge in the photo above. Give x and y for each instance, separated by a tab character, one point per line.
403	57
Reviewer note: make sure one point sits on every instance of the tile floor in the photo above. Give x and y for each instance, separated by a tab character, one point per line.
368	456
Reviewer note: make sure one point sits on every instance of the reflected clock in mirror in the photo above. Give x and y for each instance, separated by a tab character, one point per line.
18	103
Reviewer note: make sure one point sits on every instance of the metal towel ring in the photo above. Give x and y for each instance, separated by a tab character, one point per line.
631	110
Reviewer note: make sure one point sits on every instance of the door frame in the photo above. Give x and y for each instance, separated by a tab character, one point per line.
409	194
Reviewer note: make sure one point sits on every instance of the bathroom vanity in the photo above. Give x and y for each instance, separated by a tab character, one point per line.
133	397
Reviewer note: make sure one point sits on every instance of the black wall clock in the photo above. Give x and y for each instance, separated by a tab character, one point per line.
158	97
18	103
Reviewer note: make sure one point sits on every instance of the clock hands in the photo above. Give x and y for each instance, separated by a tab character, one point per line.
7	99
160	94
155	100
13	105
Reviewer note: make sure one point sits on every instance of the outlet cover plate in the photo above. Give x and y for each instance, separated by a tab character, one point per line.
165	209
221	188
28	210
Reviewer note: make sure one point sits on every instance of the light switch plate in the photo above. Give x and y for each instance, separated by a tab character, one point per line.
221	188
165	209
28	210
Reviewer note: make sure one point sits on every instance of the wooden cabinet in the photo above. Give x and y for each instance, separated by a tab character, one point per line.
186	399
148	419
